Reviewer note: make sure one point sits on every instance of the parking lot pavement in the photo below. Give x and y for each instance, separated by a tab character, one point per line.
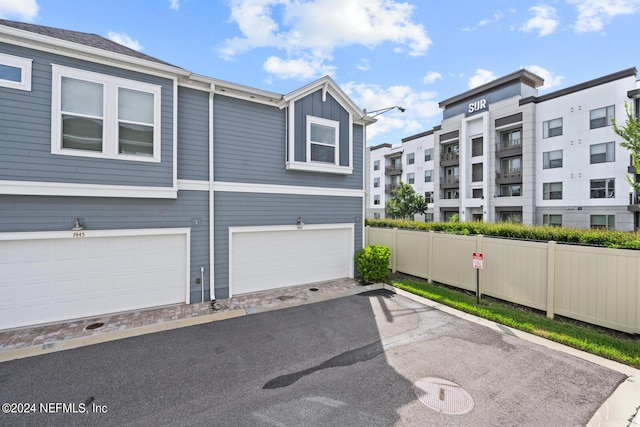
364	360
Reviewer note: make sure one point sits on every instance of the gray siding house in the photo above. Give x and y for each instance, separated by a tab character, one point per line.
127	182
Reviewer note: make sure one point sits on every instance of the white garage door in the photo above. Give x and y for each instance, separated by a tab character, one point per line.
48	277
264	258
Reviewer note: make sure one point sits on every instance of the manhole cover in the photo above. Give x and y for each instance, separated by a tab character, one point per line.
443	396
94	326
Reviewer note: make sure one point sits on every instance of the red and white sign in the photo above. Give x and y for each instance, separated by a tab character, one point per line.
478	260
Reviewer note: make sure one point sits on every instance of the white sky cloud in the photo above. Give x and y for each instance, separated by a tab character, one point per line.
25	10
420	107
481	77
363	65
431	77
319	27
300	68
544	20
174	4
486	21
594	14
550	79
124	40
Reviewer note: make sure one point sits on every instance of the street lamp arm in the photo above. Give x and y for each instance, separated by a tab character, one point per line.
375	113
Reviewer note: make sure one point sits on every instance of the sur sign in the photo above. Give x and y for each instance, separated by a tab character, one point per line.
477	106
478	260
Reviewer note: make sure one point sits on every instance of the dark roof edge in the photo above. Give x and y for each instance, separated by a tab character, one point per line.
418	135
581	86
634	93
522	75
385	145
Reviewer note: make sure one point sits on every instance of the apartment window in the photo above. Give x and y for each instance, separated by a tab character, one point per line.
428	196
323	140
96	115
428	217
510	165
411	158
514	217
428	176
428	154
603	153
376	165
552	159
376	182
451	152
477	193
452	175
603	221
15	72
376	215
376	199
510	138
601	117
452	194
476	172
510	190
411	178
552	128
552	191
476	147
554	220
603	188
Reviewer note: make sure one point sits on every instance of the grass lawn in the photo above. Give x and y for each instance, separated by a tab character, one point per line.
623	348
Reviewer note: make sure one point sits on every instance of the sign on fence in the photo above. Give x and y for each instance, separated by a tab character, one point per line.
478	260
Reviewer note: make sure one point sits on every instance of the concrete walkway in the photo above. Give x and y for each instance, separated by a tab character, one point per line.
621	409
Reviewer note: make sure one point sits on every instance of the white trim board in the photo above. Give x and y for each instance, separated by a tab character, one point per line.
33	188
238	187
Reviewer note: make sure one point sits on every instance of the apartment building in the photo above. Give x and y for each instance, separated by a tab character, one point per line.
504	153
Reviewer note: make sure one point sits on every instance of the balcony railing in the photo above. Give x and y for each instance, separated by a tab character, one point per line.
509	173
509	147
390	187
449	182
393	170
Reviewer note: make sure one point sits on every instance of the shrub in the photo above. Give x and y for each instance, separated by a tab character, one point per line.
372	263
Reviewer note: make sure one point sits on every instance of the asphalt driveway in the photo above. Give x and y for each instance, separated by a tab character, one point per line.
351	361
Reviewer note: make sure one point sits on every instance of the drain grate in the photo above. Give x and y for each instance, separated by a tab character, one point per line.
94	326
313	289
443	396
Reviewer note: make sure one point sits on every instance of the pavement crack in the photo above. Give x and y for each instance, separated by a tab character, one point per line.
347	358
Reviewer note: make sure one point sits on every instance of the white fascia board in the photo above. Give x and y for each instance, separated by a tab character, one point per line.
54	45
193	185
88	234
238	187
332	88
31	188
294	227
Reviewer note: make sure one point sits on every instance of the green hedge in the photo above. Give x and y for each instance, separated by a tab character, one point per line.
581	236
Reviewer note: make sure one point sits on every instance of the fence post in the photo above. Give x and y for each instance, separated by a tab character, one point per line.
394	250
366	236
430	256
480	271
551	278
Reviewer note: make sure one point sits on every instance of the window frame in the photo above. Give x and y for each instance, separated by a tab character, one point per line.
606	152
25	66
376	182
376	199
547	191
411	178
547	129
428	154
609	221
430	173
547	220
607	116
376	165
609	193
511	192
411	158
320	121
110	125
547	161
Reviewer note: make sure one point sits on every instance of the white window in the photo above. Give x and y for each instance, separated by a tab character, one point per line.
428	154
603	188
323	144
428	196
411	178
552	159
428	176
376	165
553	220
97	115
603	221
15	72
603	153
376	182
510	190
411	158
376	199
601	117
552	128
552	191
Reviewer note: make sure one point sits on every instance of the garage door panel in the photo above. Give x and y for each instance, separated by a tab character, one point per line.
271	259
48	280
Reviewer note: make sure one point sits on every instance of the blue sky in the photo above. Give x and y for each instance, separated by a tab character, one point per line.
381	52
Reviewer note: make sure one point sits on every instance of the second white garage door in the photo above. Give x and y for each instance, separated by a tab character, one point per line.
264	258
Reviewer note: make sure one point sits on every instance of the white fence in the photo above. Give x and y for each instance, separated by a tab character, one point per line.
595	285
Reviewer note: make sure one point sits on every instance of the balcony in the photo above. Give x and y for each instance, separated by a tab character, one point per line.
393	170
449	182
449	159
633	203
513	147
390	187
509	176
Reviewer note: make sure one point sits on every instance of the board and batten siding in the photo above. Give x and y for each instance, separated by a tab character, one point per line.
312	105
49	213
193	134
25	152
250	147
256	209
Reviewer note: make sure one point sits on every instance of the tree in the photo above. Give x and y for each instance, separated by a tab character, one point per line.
405	203
630	134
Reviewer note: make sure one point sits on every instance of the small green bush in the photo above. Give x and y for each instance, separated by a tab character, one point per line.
372	263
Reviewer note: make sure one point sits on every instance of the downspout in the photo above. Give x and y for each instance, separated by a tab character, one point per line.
212	291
